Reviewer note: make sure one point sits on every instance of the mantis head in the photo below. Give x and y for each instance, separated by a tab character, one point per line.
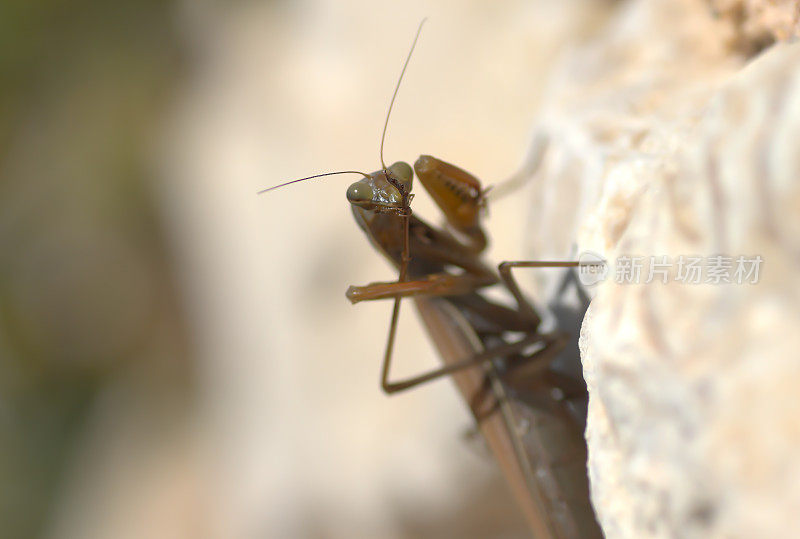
383	191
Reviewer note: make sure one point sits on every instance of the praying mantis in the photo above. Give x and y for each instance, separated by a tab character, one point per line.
498	356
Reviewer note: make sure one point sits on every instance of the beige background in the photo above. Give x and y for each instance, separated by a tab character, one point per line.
288	433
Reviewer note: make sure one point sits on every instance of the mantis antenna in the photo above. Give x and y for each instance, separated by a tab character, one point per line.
312	177
397	87
385	125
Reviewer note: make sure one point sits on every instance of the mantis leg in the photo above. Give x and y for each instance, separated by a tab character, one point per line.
438	284
477	359
523	367
525	308
447	285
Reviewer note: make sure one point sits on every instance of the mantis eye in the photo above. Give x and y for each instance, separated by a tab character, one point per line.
403	172
360	192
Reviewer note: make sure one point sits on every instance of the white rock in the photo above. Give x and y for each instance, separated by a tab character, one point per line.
664	141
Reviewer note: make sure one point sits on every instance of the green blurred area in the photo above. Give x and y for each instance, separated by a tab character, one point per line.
87	295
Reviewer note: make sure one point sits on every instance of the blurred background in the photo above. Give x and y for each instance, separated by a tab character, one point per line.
177	358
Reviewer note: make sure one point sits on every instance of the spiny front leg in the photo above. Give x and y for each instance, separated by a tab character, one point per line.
459	195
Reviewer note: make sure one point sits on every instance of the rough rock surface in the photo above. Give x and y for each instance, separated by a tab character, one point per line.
757	23
665	139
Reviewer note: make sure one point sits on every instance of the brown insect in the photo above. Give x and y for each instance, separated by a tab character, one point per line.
500	359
